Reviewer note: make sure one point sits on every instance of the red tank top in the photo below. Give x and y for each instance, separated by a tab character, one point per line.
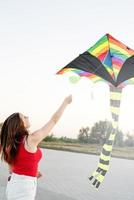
26	163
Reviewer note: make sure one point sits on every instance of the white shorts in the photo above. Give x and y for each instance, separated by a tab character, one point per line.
21	187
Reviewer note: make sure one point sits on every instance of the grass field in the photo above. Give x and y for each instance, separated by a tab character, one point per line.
120	152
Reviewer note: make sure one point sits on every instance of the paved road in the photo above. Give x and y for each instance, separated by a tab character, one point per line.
65	177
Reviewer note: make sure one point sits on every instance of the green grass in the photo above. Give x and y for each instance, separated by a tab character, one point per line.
119	152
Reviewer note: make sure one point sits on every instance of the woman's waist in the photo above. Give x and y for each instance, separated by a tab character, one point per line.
22	177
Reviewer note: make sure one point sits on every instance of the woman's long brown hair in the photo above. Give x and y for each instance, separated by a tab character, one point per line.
12	132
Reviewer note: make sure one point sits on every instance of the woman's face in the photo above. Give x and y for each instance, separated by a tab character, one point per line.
25	120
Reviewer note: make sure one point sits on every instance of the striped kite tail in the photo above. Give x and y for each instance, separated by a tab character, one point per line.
98	176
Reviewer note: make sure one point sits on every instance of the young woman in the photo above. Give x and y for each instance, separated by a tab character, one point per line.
20	150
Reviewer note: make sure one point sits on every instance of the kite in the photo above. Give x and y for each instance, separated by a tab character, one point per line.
111	61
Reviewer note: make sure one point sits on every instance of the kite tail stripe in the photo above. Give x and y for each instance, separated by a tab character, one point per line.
103	166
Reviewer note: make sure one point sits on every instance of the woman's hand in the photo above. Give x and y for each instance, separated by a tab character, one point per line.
39	174
68	99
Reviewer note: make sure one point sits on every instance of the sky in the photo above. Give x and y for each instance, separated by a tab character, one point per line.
37	38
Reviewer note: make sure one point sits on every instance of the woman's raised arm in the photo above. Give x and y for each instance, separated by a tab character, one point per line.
36	137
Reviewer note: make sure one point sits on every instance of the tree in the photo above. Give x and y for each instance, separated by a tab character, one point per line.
49	138
119	138
129	141
100	131
84	135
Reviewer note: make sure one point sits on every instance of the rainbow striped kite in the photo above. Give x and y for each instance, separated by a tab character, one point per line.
111	61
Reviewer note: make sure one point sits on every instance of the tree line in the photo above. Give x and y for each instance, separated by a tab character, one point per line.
97	134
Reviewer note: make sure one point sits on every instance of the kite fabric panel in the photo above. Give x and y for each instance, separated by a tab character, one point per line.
108	60
111	61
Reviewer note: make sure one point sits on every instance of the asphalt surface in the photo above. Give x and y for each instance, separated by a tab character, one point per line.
65	177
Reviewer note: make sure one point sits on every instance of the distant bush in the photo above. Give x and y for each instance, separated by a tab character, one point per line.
50	138
67	140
